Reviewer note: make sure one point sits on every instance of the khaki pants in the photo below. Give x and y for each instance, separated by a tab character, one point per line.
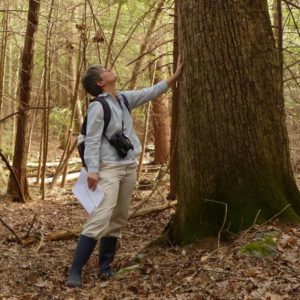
118	183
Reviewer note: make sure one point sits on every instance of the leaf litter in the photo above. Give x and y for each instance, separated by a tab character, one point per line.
261	263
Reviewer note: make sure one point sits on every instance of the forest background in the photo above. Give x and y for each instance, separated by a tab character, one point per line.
136	39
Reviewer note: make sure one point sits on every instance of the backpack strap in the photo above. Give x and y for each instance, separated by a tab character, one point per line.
106	110
106	117
125	100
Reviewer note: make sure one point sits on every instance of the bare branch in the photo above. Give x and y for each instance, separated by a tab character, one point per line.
11	230
292	4
21	111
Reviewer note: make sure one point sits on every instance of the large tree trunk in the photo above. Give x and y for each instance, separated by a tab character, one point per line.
232	143
20	153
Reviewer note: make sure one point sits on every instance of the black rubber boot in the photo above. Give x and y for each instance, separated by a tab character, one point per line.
85	248
107	253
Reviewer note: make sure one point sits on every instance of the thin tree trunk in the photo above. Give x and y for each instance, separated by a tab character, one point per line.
46	97
35	111
63	158
97	21
62	164
129	35
39	168
145	133
161	121
275	20
110	45
145	44
64	177
175	113
20	154
4	39
68	149
57	91
15	93
73	71
144	140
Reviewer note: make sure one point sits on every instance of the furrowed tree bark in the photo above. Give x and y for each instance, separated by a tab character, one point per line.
20	152
232	141
279	39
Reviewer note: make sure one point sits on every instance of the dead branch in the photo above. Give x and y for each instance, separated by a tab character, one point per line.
12	231
62	165
97	21
129	36
148	65
291	3
149	51
74	232
224	220
136	235
293	18
151	210
14	175
22	111
41	240
159	178
64	234
30	227
275	216
109	50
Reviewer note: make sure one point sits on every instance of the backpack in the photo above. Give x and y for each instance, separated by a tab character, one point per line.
107	115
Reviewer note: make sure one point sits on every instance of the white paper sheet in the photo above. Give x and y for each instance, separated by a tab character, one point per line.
89	199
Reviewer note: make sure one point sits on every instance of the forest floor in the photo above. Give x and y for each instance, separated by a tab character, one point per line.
261	263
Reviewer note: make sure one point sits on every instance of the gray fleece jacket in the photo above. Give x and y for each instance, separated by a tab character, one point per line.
97	147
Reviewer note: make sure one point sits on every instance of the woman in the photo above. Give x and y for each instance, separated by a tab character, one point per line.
110	159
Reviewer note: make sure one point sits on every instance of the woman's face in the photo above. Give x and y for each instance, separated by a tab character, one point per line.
108	77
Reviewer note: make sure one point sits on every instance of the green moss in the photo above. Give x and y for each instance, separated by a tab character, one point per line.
257	249
127	270
263	246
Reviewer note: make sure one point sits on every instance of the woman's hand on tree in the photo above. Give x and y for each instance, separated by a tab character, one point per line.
177	73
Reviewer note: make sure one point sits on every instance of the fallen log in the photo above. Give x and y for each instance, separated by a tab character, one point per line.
147	211
70	177
74	232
